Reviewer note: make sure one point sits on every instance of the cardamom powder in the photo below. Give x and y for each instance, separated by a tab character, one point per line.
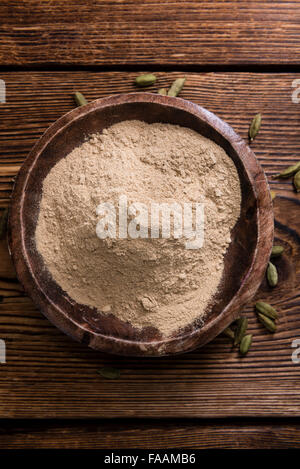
146	282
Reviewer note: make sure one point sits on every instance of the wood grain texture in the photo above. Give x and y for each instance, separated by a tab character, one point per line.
149	435
49	376
81	32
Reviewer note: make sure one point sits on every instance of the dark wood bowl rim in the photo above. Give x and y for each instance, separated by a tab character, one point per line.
208	331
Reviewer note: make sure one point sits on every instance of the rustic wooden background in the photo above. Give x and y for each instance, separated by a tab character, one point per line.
239	58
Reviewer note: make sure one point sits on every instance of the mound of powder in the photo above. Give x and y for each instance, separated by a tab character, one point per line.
147	282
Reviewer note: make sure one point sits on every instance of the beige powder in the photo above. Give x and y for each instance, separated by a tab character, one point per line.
147	282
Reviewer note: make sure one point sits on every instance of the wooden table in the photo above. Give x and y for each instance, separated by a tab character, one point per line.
239	58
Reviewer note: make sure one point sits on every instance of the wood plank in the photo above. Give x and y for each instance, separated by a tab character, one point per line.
150	435
36	99
39	33
49	376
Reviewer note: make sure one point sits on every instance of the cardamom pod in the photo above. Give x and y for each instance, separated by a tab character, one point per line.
254	126
267	322
297	181
245	344
80	99
147	79
241	328
3	223
288	172
109	373
273	194
163	91
272	275
229	333
277	251
266	309
176	87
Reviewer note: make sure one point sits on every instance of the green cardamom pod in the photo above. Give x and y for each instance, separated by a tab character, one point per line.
229	333
3	223
273	194
176	87
266	309
80	99
277	251
297	181
163	91
288	172
147	79
241	328
272	275
109	373
267	322
245	344
254	126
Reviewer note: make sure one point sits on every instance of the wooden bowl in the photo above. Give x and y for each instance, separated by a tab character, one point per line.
245	261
